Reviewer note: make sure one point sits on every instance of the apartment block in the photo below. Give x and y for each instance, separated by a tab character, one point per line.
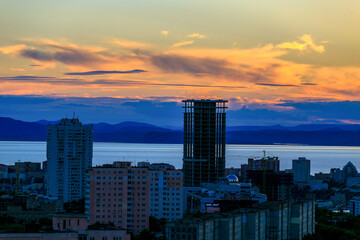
249	224
278	220
69	155
119	194
166	192
302	219
301	170
126	196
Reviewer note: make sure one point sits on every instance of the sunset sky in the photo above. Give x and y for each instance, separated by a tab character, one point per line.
277	62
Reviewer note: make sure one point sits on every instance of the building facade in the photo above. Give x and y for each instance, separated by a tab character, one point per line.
355	206
301	170
264	163
126	196
204	141
276	186
278	220
166	192
69	155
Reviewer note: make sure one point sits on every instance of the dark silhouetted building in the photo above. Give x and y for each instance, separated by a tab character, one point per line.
301	170
204	141
265	163
277	186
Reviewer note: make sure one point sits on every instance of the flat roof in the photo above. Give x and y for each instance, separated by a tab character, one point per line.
204	100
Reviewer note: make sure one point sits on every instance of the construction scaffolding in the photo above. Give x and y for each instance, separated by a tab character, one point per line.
204	141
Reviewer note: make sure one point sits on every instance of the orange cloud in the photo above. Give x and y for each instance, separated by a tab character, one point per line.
180	44
306	44
128	44
164	32
196	35
12	49
254	73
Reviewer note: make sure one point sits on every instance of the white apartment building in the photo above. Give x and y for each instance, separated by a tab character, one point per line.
69	155
166	192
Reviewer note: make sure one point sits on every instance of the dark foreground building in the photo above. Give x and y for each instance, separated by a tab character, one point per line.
204	141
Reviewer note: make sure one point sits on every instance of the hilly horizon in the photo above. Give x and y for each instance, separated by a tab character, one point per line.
138	132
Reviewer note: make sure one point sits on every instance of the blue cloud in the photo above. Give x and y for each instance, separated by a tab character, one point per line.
163	111
105	72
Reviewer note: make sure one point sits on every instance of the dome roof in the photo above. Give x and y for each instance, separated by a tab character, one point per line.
232	178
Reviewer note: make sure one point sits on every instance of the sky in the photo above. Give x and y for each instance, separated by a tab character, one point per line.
277	62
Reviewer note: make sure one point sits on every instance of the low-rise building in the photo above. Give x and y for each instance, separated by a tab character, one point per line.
223	196
72	227
355	206
29	208
353	182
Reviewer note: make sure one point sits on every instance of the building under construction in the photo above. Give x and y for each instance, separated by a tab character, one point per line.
204	141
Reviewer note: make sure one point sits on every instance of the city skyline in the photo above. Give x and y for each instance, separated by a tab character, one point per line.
267	59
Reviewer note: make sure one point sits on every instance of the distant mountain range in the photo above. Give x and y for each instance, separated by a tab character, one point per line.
135	132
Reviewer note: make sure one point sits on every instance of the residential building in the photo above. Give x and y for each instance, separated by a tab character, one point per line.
353	182
276	186
278	218
281	220
355	206
264	163
166	192
301	170
119	194
204	141
126	196
340	176
29	208
69	155
249	224
337	175
302	220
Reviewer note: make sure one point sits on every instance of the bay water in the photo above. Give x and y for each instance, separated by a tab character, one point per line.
322	157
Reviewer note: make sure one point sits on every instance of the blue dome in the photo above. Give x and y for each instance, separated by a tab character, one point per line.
232	178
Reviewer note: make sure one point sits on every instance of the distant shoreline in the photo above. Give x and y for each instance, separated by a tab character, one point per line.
228	144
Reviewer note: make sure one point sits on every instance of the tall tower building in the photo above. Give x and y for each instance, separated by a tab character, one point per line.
204	141
69	155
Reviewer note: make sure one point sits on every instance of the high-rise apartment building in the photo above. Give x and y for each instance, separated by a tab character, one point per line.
166	192
204	141
126	196
301	170
69	155
119	194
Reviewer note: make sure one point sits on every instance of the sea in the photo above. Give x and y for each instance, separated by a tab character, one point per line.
323	158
